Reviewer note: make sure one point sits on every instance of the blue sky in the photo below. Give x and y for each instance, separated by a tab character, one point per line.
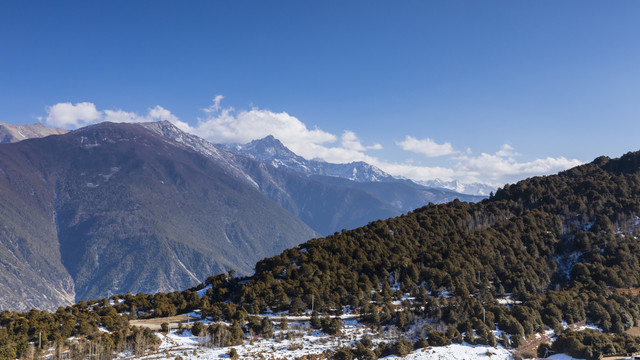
491	91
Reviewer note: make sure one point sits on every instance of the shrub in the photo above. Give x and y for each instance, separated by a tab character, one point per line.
421	343
197	329
343	354
402	347
437	338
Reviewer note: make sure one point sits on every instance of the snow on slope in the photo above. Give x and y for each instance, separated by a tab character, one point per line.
462	351
313	343
457	186
222	157
270	150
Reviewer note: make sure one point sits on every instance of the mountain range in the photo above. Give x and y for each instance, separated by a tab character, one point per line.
112	208
270	150
116	208
403	194
479	189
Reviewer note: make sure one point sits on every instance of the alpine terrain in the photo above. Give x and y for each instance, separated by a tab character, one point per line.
113	208
403	194
147	207
548	265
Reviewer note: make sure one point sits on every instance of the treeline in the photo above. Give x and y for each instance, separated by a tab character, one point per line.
590	344
98	329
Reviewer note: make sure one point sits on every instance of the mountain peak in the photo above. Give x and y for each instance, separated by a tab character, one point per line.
270	150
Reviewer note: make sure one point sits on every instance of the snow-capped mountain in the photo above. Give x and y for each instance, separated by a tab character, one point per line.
270	150
457	186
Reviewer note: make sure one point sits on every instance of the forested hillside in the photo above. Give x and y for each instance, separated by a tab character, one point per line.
537	254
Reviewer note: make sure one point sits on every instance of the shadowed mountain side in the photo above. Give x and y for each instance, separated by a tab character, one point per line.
325	207
31	274
133	212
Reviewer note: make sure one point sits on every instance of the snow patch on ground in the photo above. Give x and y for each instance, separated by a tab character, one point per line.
302	340
562	357
462	351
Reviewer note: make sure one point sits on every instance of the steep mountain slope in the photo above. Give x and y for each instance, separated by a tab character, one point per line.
115	208
325	206
10	133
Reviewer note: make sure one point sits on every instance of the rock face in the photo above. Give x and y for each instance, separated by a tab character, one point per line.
10	133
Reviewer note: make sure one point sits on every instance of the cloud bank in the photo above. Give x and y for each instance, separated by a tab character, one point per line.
226	125
72	116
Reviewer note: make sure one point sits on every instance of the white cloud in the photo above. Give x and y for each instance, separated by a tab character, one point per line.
508	151
216	105
416	172
426	147
70	116
493	169
350	140
119	116
502	166
225	125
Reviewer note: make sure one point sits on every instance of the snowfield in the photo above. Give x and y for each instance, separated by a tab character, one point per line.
462	351
316	343
303	342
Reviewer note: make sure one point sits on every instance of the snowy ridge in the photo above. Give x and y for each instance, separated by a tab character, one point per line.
270	150
222	157
457	186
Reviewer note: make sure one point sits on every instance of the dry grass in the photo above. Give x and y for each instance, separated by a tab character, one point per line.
635	331
154	324
629	291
